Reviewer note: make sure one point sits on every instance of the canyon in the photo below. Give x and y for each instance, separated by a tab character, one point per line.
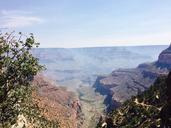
84	72
122	84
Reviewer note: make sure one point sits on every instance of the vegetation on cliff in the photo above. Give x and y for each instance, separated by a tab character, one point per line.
149	109
17	70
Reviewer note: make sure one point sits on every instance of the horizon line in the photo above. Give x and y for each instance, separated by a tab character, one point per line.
109	46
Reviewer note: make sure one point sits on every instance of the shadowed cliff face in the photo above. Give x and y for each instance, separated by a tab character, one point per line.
122	84
150	109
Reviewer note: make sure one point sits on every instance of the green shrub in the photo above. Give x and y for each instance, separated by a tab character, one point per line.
17	69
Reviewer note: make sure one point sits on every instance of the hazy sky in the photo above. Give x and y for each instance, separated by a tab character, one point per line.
86	23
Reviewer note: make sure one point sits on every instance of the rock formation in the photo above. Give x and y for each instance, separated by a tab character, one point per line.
57	103
165	58
122	84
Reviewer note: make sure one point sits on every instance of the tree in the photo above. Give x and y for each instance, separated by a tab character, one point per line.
165	113
17	69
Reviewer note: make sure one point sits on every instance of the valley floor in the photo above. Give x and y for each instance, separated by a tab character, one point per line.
92	106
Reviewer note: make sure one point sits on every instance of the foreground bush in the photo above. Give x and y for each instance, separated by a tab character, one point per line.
17	69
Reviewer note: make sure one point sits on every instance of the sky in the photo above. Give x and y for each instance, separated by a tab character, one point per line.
89	23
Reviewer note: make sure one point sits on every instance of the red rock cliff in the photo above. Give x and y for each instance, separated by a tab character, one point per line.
58	103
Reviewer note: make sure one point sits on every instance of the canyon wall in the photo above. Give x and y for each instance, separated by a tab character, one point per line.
122	84
57	103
